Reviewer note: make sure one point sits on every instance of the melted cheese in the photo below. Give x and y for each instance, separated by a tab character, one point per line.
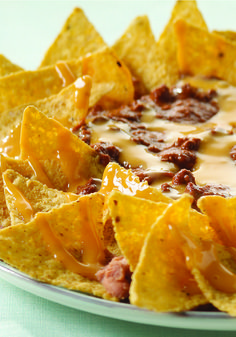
65	73
214	164
20	201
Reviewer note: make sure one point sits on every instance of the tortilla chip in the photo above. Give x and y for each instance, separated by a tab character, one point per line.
39	197
107	68
132	227
62	107
156	63
20	166
77	38
5	219
204	53
37	259
7	67
103	66
60	159
117	178
212	263
222	216
134	46
227	34
161	280
166	47
188	11
222	301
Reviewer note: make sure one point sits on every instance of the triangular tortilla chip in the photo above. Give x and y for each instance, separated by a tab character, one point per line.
59	158
31	193
132	227
7	67
210	252
161	280
47	258
227	34
103	66
5	219
77	38
167	44
120	179
62	106
134	46
162	65
204	53
116	178
222	216
20	166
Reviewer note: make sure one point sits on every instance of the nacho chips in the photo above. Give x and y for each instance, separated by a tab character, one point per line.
133	225
155	63
77	38
103	67
7	67
65	216
204	53
37	196
35	259
134	48
167	47
58	158
161	280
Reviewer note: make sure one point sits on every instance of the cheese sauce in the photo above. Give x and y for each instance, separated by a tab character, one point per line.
213	165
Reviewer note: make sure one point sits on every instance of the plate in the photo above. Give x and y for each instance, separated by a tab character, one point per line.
188	320
20	28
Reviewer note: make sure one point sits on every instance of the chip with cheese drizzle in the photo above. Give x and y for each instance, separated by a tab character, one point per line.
209	249
58	158
132	226
26	197
162	280
64	246
70	107
218	57
103	66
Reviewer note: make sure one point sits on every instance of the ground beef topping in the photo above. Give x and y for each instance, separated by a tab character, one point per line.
152	139
92	186
125	114
183	104
183	177
208	189
182	152
83	132
107	152
150	177
186	178
233	152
